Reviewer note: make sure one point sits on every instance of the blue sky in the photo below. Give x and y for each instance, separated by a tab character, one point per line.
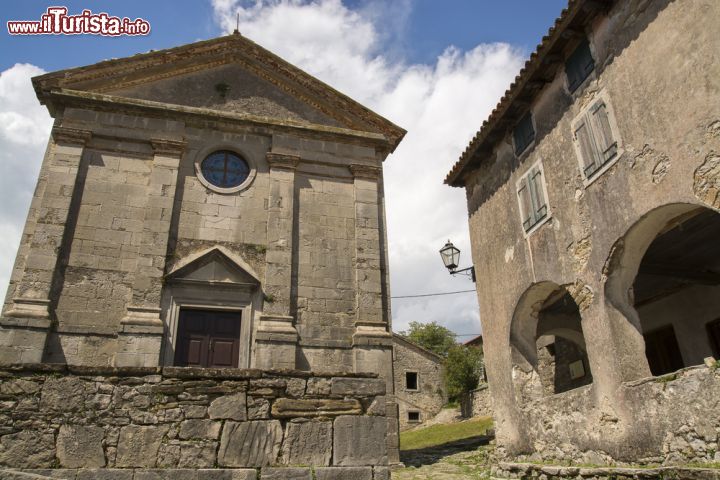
436	68
432	25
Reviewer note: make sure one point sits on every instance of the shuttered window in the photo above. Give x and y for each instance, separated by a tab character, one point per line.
523	134
595	140
579	65
533	205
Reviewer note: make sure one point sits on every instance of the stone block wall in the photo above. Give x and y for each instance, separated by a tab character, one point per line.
668	420
477	403
199	423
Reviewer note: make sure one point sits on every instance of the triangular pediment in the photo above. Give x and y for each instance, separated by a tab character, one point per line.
214	266
228	88
229	74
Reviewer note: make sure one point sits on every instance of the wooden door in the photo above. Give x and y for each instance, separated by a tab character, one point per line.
208	338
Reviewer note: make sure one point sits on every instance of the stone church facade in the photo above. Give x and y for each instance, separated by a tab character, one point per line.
592	192
207	206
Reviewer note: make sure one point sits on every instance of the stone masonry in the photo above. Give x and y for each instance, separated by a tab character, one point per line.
428	396
136	254
592	194
153	422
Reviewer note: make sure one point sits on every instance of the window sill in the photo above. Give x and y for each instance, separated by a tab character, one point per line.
525	151
539	224
587	181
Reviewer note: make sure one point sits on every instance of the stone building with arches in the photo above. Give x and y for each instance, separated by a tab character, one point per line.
594	211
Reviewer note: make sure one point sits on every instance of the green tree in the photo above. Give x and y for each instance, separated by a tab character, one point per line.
462	370
431	336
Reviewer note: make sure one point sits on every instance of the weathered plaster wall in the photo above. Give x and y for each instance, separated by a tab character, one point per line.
430	395
152	421
657	64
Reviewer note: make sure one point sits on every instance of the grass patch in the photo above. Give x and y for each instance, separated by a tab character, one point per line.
440	434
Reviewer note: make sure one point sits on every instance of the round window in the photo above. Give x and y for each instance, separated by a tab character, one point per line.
225	169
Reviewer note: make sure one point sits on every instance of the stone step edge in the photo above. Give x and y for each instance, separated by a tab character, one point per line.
633	472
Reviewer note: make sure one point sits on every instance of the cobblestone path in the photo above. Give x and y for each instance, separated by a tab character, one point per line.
461	460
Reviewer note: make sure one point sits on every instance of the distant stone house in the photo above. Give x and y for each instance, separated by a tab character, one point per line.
592	192
419	382
477	402
209	207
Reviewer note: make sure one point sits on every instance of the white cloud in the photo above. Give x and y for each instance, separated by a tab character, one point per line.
24	130
441	105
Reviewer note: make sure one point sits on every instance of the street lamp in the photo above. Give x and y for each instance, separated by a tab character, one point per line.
450	255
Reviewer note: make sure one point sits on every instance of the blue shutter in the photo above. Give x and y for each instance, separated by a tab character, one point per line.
579	65
523	134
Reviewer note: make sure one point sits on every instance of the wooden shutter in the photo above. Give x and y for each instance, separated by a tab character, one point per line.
584	138
537	194
524	133
525	204
606	144
579	65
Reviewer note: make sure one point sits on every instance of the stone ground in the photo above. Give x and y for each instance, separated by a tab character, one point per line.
461	460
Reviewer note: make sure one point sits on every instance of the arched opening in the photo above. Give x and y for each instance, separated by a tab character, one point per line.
549	353
676	291
562	358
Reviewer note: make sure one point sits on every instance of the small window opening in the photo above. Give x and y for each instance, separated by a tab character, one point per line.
411	380
413	416
579	65
523	134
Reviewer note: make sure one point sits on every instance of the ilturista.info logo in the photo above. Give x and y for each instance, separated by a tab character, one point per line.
56	21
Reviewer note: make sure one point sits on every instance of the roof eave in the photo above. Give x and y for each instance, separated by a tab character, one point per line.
541	58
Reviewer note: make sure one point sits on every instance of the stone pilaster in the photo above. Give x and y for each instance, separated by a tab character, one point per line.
27	319
370	326
276	336
372	341
141	329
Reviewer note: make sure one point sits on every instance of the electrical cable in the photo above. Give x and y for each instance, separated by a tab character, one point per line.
433	294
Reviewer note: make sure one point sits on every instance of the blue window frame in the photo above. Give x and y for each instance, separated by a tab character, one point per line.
225	169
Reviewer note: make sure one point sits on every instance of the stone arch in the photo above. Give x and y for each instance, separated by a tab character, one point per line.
547	342
635	280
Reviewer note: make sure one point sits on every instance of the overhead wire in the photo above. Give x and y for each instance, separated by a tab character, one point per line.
433	294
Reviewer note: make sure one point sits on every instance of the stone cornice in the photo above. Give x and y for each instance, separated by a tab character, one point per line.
71	136
282	160
143	68
163	146
365	171
112	103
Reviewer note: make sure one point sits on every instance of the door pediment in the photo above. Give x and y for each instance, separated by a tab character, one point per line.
214	266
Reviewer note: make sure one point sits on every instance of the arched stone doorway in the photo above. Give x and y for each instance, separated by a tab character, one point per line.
664	275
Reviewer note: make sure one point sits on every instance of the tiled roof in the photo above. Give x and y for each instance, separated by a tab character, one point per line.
545	59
